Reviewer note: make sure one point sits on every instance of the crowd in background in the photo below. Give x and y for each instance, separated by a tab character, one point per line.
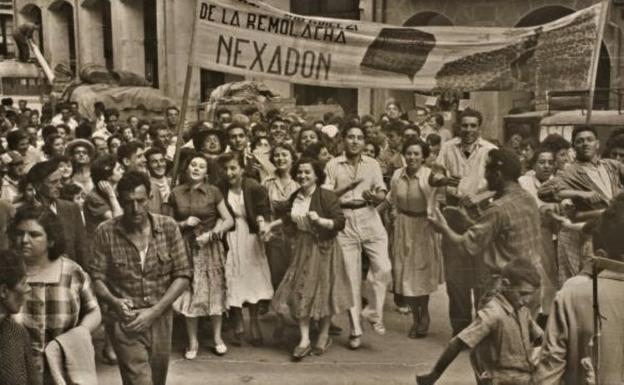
273	213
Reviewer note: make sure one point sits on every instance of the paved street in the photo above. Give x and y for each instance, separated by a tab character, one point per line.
389	359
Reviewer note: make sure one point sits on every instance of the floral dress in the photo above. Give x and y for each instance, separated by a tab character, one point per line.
207	294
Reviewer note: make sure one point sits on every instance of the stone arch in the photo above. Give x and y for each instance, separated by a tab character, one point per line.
428	19
32	14
62	27
553	12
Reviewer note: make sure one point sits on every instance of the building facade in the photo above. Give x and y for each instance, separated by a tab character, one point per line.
152	37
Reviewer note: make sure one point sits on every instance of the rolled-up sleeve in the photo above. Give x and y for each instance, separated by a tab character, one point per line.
98	263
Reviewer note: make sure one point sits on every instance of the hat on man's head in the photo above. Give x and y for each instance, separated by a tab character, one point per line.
42	170
71	146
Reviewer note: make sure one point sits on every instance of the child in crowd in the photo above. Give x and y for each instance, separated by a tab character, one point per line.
502	336
16	360
74	193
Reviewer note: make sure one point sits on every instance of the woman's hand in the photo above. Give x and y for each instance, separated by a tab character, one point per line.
106	188
191	222
313	217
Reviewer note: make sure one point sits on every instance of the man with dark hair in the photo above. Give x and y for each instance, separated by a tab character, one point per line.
615	147
590	182
222	117
390	157
65	117
14	163
131	155
358	182
462	160
567	351
139	268
157	168
508	229
46	179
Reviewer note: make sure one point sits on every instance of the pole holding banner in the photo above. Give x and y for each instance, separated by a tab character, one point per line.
593	73
185	96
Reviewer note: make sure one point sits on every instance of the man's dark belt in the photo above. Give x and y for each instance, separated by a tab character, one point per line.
413	214
353	205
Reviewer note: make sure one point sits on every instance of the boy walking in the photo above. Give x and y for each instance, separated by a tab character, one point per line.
502	336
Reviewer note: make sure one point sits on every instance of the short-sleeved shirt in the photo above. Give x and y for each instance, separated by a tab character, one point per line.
340	173
58	298
501	337
471	169
116	261
509	229
200	201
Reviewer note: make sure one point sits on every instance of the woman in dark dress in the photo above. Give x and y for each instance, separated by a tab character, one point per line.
316	285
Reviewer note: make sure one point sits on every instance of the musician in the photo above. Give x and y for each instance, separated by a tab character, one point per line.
508	229
566	353
462	165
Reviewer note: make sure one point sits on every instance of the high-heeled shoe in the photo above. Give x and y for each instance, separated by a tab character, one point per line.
190	354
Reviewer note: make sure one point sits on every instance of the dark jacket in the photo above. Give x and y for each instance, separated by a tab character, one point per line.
326	205
256	201
74	230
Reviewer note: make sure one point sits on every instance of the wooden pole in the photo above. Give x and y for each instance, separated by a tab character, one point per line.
185	96
604	12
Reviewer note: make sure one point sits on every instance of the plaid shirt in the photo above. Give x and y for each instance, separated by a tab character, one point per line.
509	229
55	306
116	261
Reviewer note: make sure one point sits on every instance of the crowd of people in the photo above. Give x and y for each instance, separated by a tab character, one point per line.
307	220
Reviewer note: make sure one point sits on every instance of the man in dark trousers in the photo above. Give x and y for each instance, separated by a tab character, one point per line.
21	35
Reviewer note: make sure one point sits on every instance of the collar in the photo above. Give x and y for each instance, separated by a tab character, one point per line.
52	274
504	303
155	221
597	163
418	175
343	159
203	187
300	194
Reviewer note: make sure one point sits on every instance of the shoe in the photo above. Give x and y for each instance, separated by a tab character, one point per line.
109	358
413	333
256	339
355	342
238	338
334	330
190	354
299	352
220	349
320	350
378	327
404	310
423	325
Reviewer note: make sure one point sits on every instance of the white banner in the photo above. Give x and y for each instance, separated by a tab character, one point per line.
249	37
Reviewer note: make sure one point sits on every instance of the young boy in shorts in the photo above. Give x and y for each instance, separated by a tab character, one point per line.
503	334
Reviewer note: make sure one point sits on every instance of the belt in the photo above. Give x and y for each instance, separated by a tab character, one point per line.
353	205
413	214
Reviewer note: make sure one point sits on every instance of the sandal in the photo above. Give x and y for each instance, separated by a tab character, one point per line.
320	350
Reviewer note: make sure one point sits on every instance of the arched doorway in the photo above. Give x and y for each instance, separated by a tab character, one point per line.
32	14
428	19
603	78
62	27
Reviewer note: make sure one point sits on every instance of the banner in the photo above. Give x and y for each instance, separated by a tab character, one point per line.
249	37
